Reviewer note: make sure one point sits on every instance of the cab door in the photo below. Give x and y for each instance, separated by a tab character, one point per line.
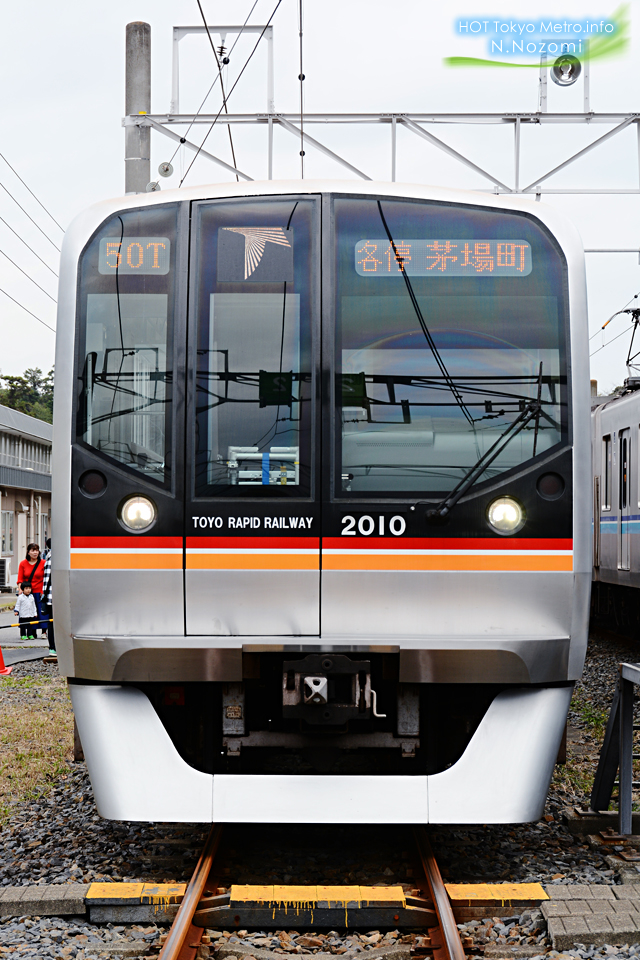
252	516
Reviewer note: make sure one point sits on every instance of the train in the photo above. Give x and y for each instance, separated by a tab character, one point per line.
321	501
615	430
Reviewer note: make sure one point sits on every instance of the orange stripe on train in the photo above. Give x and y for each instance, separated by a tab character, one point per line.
446	562
126	561
252	561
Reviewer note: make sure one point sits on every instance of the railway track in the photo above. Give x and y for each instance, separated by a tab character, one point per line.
441	941
185	937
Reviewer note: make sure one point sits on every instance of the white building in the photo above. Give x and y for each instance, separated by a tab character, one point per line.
25	489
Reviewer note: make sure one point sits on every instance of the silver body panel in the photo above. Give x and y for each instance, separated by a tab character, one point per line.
141	659
156	601
242	602
427	604
137	774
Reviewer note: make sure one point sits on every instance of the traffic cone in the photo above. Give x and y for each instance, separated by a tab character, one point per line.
4	671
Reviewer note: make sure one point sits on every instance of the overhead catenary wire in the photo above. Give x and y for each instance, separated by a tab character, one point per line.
606	324
27	187
215	119
38	227
15	233
208	93
224	98
609	343
617	313
27	311
28	276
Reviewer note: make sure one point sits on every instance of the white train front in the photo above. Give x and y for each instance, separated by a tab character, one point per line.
321	501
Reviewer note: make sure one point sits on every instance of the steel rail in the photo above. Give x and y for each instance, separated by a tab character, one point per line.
441	902
182	924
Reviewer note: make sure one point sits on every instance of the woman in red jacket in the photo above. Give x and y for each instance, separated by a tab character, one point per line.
31	569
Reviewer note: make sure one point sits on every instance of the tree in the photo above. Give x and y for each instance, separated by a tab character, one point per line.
32	393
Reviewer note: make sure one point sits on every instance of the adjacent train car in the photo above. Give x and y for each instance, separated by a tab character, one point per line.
321	501
615	436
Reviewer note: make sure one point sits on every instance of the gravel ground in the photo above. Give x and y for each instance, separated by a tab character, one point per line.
32	668
53	937
59	838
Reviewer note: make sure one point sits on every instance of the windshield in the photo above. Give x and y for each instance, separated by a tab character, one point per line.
126	300
449	320
256	282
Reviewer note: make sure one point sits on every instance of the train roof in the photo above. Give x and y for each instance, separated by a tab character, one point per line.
627	395
87	221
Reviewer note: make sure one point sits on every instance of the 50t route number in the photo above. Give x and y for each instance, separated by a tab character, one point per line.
366	526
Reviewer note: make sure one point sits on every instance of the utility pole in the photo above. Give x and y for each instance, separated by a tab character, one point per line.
137	152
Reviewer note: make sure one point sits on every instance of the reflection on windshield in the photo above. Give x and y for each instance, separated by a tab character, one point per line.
249	387
125	379
125	341
429	379
253	378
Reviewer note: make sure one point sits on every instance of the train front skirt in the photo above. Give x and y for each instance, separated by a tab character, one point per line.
502	776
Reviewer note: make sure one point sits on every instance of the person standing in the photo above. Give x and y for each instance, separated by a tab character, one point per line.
25	610
31	571
47	598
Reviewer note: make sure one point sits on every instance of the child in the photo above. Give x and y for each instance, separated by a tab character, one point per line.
26	610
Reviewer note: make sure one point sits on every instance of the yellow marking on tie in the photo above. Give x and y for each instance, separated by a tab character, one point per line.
468	894
303	897
161	895
115	891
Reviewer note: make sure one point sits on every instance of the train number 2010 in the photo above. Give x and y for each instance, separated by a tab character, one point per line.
367	525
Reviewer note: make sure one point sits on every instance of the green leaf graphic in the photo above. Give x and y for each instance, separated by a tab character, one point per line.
597	48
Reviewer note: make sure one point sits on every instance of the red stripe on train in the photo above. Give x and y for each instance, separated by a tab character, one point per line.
439	543
254	543
312	543
144	543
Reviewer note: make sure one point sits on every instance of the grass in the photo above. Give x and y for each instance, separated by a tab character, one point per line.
593	718
36	738
575	777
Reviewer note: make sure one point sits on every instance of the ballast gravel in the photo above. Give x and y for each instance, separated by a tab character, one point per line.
59	838
54	937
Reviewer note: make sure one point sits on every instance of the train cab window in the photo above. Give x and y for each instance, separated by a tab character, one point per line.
638	467
606	472
450	321
125	356
624	498
256	293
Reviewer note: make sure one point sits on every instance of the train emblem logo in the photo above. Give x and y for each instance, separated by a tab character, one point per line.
277	265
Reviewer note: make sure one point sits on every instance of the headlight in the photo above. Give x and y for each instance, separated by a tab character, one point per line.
505	515
138	513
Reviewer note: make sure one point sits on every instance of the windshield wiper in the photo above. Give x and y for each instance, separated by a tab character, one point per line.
531	411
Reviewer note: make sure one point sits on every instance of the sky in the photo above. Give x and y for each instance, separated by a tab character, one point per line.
62	71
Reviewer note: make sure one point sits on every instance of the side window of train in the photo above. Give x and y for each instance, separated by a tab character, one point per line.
450	320
126	296
255	292
606	472
638	467
623	498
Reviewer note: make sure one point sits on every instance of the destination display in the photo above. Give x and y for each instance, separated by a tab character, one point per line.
438	258
134	255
